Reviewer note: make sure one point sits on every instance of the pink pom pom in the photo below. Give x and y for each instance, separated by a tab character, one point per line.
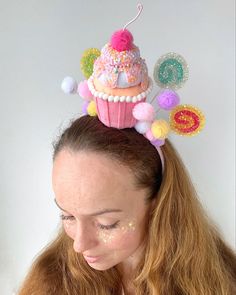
84	91
149	135
144	111
122	40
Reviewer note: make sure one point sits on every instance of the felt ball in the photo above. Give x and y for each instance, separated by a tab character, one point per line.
69	85
158	142
142	127
87	61
84	91
91	109
167	99
143	111
85	107
160	129
122	40
149	135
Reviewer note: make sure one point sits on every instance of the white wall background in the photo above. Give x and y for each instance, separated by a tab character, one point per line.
41	42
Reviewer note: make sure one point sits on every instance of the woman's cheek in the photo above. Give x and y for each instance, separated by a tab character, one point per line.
118	236
70	228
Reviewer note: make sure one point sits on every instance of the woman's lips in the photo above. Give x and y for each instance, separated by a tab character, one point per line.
91	259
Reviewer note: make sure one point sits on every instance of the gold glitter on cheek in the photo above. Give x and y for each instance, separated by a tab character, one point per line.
105	237
129	227
109	236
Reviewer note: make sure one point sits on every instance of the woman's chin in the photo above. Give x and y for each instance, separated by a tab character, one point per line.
100	266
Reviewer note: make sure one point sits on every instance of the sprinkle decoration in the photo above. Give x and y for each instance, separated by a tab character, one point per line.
186	120
171	71
88	58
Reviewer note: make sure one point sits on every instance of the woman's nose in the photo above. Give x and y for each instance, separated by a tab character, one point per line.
85	239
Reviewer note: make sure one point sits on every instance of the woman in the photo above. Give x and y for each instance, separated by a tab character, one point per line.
155	239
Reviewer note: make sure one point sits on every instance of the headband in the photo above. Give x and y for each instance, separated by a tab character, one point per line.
117	86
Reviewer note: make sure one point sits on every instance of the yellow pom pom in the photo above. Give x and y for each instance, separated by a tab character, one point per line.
91	109
160	129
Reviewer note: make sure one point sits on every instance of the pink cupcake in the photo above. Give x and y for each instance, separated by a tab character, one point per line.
119	81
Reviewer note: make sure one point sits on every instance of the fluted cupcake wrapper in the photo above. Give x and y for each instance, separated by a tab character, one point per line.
116	114
117	111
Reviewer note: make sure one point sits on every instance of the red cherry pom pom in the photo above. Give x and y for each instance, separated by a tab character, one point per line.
122	40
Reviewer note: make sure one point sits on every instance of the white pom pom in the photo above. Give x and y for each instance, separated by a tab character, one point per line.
142	126
69	85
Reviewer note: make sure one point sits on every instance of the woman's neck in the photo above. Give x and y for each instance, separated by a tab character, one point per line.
127	270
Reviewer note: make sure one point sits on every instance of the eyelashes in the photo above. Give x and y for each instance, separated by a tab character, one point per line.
101	226
65	217
109	227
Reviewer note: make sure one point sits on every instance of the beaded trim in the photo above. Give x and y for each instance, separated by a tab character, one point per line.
117	98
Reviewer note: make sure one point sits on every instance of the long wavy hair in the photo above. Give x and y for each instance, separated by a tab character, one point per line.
184	252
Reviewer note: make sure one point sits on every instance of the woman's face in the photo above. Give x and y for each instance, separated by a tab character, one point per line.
105	214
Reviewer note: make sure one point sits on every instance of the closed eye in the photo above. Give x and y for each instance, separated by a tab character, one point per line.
102	226
66	217
107	227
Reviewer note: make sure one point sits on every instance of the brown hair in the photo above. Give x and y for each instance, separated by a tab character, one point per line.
184	254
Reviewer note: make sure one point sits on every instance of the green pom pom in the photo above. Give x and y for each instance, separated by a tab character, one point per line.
87	61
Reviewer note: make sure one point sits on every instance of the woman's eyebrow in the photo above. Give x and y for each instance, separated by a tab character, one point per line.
59	206
104	211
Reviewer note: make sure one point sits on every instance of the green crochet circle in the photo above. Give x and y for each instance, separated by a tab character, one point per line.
171	71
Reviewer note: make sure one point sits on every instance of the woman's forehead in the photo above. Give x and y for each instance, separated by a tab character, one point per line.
90	167
91	180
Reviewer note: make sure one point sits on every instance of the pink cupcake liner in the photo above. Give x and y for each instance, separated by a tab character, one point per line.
116	114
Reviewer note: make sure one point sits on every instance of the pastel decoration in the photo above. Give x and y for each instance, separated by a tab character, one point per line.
171	71
149	135
122	40
144	111
85	107
167	99
142	126
69	85
87	61
116	114
160	129
84	91
91	109
158	142
186	120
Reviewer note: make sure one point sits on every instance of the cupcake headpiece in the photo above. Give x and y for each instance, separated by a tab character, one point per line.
117	89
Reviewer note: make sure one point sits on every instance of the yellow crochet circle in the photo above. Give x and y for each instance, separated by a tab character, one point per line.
92	109
88	58
160	129
186	120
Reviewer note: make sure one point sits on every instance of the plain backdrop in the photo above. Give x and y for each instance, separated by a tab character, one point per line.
41	42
